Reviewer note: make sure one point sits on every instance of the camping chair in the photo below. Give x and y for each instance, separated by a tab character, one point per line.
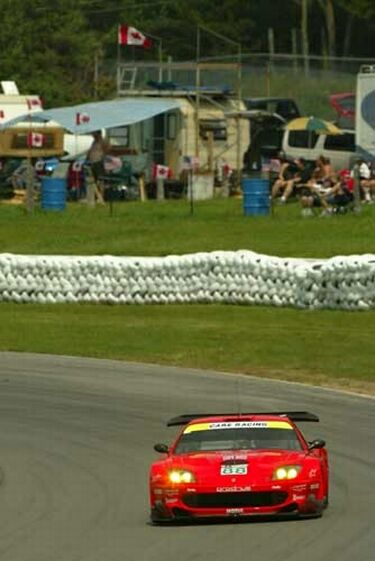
119	183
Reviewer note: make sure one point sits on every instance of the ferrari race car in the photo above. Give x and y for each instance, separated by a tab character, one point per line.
231	465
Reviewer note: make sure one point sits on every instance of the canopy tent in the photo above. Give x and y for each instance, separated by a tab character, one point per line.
88	117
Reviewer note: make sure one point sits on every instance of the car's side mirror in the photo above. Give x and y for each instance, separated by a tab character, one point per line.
161	448
317	444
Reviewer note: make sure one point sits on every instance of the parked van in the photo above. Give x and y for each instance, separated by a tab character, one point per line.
340	149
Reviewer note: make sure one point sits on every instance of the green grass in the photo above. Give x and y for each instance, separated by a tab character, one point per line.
168	228
323	347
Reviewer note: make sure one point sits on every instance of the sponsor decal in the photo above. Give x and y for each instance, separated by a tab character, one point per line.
239	425
234	510
298	497
312	472
233	457
233	489
298	488
170	501
156	477
314	486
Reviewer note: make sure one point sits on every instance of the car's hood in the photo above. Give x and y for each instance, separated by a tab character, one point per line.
260	464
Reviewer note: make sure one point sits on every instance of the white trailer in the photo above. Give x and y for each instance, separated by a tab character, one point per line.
365	112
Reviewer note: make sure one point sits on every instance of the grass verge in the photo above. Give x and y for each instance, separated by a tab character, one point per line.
167	227
320	347
332	348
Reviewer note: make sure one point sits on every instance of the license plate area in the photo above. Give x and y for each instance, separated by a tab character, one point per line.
233	469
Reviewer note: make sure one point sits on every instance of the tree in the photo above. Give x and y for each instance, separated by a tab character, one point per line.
47	48
365	9
327	8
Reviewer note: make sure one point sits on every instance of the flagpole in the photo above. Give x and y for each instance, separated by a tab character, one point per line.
197	86
29	175
75	137
118	59
239	90
160	53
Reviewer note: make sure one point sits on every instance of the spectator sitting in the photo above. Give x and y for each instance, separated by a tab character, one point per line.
331	199
311	198
286	174
371	181
325	171
340	196
303	177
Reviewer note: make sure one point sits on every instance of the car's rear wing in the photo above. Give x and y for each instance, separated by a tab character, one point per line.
295	416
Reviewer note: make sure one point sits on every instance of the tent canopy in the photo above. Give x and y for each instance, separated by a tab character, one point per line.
101	114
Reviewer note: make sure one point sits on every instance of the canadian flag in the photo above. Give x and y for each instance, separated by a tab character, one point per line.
34	103
131	36
35	140
161	172
82	118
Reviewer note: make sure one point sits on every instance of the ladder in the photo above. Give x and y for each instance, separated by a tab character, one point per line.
126	77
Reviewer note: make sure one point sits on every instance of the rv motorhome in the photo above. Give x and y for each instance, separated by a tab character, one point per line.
365	112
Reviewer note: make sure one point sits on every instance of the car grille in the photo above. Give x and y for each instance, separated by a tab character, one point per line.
234	500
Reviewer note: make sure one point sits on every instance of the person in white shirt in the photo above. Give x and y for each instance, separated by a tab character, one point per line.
366	183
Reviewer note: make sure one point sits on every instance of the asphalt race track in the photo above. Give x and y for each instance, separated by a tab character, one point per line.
76	439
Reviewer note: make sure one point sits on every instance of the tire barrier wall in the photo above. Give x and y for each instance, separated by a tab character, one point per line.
238	277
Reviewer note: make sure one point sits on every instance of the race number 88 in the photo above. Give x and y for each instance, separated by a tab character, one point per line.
234	470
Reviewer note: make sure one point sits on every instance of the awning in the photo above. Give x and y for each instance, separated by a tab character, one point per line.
100	114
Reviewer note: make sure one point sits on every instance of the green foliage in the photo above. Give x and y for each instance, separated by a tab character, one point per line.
362	8
51	48
47	48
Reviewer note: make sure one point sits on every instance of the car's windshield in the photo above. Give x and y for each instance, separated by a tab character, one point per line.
238	439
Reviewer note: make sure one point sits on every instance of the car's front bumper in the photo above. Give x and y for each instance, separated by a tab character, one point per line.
185	503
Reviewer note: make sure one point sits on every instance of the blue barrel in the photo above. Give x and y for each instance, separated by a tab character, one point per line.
53	193
256	196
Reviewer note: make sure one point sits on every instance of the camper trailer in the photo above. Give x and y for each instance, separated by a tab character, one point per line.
15	140
205	126
213	136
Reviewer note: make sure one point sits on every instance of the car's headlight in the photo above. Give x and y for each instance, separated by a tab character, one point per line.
287	472
181	476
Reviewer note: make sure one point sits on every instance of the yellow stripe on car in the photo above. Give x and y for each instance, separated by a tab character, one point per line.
238	425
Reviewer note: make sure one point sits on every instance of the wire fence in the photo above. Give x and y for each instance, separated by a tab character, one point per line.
310	81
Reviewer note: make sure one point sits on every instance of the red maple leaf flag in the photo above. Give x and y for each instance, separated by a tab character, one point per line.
161	172
35	140
82	118
131	36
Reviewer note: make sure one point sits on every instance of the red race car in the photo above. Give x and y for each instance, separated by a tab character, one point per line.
231	465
